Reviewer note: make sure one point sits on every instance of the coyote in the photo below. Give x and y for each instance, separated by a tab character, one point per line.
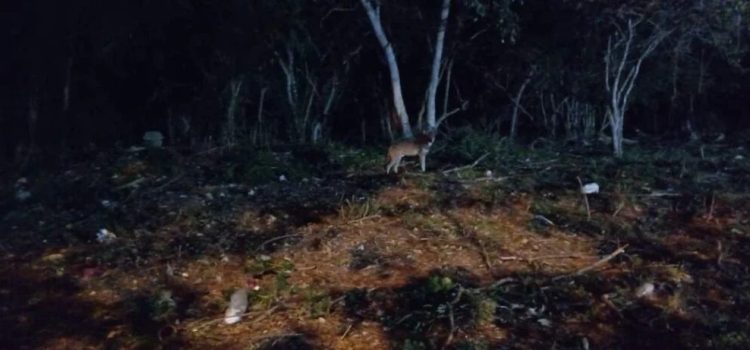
419	145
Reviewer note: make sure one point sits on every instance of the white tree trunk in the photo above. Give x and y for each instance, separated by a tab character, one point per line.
259	128
373	13
620	80
292	94
436	60
516	107
230	125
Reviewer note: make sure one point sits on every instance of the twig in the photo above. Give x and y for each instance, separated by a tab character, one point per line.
347	331
334	302
585	199
620	207
133	183
658	194
211	150
446	172
483	179
542	257
363	218
162	186
534	166
602	261
453	327
276	239
451	318
219	319
402	319
711	206
608	302
544	219
598	263
485	256
278	335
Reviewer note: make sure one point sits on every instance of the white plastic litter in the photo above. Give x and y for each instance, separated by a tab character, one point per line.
105	236
237	306
153	139
590	188
22	195
645	290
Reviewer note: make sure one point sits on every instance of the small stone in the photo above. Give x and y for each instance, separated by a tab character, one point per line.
544	322
645	290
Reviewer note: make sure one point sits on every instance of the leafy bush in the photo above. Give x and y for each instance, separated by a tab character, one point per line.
356	160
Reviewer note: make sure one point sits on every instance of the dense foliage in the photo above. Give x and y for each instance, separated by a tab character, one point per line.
89	73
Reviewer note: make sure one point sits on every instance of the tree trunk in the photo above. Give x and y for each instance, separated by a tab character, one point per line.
292	90
616	122
230	126
434	76
259	127
516	106
620	74
373	14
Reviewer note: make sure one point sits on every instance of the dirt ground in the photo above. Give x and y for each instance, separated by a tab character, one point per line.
501	254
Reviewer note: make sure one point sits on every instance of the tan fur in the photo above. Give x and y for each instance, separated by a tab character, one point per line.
418	146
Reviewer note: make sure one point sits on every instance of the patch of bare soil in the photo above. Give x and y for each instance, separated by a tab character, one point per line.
461	260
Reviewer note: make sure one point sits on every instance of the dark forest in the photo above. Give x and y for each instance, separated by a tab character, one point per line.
375	174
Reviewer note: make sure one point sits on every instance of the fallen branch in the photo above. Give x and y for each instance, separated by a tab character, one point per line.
451	318
658	194
711	207
469	166
485	256
276	239
164	185
346	332
363	218
278	335
130	184
598	263
544	219
205	324
483	179
611	305
542	257
620	207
